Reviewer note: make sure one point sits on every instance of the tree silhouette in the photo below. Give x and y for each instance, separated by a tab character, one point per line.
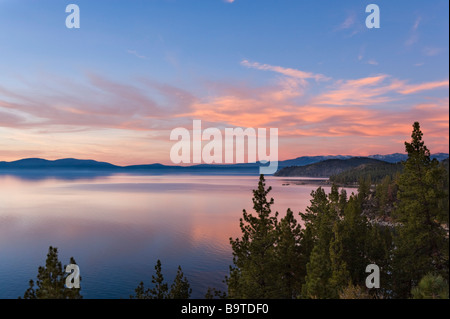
51	279
180	289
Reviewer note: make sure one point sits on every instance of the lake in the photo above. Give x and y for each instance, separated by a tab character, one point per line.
117	226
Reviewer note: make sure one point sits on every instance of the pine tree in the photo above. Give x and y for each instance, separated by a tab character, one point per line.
213	293
311	220
354	232
422	242
319	206
180	289
160	289
354	292
386	196
379	250
51	280
288	253
253	274
140	292
340	276
431	287
318	274
342	240
320	219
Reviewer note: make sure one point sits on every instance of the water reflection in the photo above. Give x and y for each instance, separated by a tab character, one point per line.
117	226
39	175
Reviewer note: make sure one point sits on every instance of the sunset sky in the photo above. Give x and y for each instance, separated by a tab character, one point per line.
114	89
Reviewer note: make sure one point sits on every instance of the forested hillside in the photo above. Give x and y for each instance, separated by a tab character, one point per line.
327	168
375	172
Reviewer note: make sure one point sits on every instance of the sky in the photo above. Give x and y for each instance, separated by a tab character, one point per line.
114	89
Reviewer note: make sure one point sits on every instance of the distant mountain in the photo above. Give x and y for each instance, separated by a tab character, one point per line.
326	168
75	164
398	157
331	165
67	163
63	166
306	160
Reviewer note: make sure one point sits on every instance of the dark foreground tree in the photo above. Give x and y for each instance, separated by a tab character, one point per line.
431	287
51	280
213	293
288	253
354	292
267	258
401	225
253	274
180	289
422	241
343	243
320	220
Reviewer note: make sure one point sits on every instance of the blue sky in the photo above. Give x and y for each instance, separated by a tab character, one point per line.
136	69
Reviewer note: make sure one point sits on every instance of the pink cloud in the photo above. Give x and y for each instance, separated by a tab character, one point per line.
364	91
410	89
101	115
294	73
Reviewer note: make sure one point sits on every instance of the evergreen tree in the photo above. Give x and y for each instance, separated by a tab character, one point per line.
289	255
340	276
180	289
318	272
354	233
140	292
422	241
254	271
212	293
354	292
160	289
320	218
343	241
431	287
51	280
384	195
311	218
379	249
342	202
364	186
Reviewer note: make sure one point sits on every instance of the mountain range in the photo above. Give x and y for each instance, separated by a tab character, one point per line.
70	164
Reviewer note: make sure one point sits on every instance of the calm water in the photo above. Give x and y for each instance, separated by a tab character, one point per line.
116	227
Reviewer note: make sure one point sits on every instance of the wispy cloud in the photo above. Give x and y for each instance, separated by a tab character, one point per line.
416	23
294	73
99	103
136	54
350	25
364	91
414	88
414	34
431	51
347	23
350	110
